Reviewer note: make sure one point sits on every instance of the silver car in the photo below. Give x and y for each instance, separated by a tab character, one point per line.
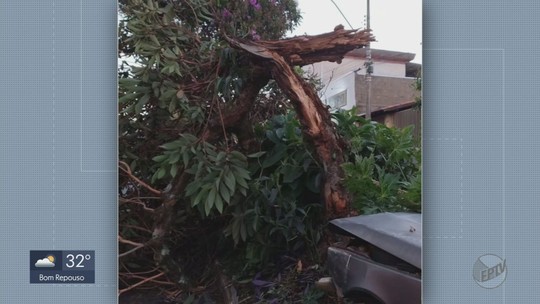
380	262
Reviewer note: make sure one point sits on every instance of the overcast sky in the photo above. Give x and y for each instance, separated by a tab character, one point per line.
396	24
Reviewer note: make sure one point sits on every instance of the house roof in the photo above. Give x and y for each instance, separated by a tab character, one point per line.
392	108
377	54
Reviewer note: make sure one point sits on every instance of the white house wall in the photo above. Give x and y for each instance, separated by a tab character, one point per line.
328	71
336	86
337	78
388	69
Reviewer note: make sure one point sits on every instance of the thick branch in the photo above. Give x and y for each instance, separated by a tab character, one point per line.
332	46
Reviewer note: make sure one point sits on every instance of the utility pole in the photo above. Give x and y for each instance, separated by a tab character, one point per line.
369	70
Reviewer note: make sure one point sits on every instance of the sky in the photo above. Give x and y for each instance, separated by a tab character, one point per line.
396	24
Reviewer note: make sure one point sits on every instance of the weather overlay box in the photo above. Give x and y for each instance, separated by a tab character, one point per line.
62	267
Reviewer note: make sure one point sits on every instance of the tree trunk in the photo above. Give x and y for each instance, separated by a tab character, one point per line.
312	113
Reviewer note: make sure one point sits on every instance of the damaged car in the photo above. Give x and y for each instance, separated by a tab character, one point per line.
380	261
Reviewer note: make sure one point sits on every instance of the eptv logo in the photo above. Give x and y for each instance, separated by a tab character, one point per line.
489	271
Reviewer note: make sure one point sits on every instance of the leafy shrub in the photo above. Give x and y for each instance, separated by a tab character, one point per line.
282	212
271	196
383	172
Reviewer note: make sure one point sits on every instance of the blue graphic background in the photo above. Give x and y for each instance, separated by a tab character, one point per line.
481	145
58	143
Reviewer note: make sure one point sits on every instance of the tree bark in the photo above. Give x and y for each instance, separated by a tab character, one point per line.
331	46
312	113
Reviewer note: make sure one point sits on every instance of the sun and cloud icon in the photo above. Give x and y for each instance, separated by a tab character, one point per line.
46	262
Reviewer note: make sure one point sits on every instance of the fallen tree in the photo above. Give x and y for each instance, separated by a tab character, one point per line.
313	114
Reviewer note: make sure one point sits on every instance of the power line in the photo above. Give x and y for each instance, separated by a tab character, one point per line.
342	14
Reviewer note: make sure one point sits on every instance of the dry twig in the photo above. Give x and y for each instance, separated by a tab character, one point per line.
127	170
137	246
140	283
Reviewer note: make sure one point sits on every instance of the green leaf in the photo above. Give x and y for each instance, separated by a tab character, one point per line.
207	208
174	158
241	172
225	193
161	173
167	93
219	83
160	158
168	53
133	165
174	170
200	196
279	153
273	195
210	200
243	232
185	158
140	104
279	133
230	181
128	97
173	145
242	183
155	40
243	191
221	156
257	155
239	156
219	204
131	82
167	69
192	188
172	106
255	222
272	137
200	169
189	137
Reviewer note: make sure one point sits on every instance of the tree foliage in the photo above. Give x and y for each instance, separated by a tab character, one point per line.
187	133
178	75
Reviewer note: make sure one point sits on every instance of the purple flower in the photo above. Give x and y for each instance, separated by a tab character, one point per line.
226	13
255	36
255	4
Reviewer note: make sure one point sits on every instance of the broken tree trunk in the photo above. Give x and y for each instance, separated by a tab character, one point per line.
312	113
